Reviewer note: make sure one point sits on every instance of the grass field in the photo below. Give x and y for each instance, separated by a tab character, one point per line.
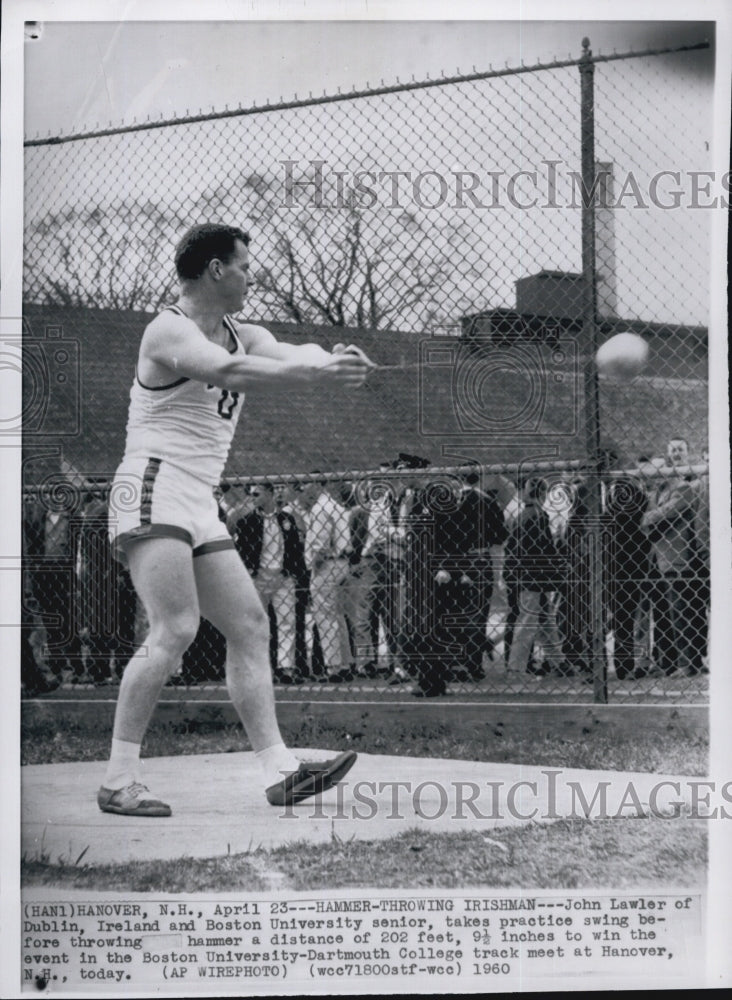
638	854
671	752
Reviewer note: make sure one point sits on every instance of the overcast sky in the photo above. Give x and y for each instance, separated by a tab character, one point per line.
81	74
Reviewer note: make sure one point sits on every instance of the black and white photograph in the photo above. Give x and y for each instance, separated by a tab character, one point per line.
366	522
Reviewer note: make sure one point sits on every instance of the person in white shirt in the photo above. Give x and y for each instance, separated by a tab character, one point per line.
372	588
327	543
680	608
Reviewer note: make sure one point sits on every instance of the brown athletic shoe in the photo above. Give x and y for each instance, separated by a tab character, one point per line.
134	800
311	778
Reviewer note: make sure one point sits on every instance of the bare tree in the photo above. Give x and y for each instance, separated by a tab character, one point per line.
342	267
119	256
102	258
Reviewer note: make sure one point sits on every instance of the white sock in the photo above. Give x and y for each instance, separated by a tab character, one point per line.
124	764
276	762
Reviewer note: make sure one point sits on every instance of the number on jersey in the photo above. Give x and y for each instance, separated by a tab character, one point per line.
227	402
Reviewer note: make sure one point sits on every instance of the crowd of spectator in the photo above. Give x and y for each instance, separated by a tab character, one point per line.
79	617
411	576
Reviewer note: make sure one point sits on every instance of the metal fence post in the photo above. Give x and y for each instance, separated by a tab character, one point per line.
591	386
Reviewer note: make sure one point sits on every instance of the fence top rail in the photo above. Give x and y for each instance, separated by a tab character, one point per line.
60	486
354	94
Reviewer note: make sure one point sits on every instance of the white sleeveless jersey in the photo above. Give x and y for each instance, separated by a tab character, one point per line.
186	423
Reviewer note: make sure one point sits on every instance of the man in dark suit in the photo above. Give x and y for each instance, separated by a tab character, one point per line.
465	534
53	547
448	532
626	564
421	653
532	568
107	598
271	548
36	677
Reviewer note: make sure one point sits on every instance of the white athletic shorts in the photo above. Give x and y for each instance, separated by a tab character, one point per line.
150	498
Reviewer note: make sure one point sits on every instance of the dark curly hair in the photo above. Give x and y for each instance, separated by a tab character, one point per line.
202	244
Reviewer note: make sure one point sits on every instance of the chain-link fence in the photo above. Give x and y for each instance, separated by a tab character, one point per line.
492	517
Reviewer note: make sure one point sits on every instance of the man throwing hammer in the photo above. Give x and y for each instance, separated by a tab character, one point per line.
194	365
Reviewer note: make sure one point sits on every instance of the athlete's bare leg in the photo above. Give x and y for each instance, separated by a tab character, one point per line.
228	598
163	576
176	589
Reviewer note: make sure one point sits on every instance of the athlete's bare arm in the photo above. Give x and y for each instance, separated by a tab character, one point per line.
173	347
260	342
